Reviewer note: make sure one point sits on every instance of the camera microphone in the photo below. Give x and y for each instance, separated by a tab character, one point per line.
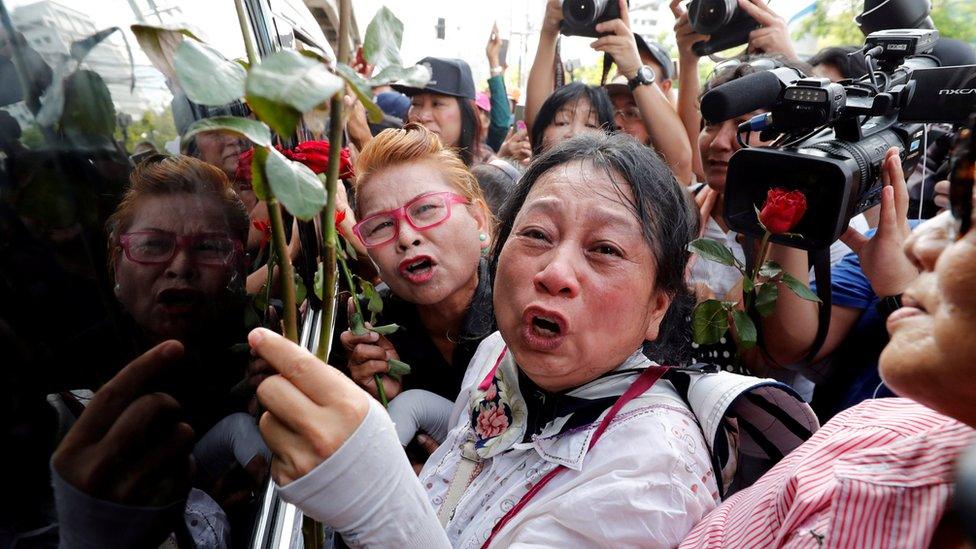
759	90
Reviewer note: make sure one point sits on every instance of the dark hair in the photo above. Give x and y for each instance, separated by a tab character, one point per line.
564	95
848	60
470	131
496	179
667	221
746	66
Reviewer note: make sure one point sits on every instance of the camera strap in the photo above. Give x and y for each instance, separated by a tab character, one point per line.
819	260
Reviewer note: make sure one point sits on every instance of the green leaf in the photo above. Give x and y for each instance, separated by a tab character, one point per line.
318	281
259	181
745	329
766	298
356	324
206	76
285	85
255	131
381	43
387	329
282	119
375	303
159	43
712	250
300	290
415	75
747	284
350	249
709	322
294	185
398	368
362	90
770	269
801	289
89	114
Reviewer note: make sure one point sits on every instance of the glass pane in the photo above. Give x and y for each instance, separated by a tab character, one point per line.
82	113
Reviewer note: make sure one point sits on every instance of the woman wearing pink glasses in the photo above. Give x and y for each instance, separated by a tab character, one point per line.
427	227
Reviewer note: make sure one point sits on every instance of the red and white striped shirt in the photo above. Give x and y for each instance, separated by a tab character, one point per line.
877	475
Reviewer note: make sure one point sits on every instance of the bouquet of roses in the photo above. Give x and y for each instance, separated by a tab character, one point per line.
712	318
314	154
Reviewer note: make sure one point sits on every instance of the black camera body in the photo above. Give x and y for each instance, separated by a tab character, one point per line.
726	24
580	17
833	137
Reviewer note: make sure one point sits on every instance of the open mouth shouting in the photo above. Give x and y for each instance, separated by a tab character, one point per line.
543	330
417	269
179	301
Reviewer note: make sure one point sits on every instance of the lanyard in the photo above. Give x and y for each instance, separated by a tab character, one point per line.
646	380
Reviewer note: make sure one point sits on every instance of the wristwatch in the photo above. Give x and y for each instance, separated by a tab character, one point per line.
645	76
888	305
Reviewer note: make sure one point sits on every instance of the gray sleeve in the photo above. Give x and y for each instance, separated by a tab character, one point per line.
87	522
418	410
369	492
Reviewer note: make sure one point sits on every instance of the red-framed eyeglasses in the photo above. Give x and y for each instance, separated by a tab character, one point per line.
155	247
424	212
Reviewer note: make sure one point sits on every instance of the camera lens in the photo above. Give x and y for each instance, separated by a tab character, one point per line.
708	16
583	12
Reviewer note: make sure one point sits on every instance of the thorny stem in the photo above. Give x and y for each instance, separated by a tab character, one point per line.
330	239
287	275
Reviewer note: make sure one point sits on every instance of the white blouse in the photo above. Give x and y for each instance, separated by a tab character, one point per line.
646	482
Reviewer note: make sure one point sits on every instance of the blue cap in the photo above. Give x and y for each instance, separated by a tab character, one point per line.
394	104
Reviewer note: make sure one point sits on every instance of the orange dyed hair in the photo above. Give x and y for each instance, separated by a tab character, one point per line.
415	143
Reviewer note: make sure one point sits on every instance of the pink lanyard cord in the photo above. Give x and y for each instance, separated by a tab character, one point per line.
646	380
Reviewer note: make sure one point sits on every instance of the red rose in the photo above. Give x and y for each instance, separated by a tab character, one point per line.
243	172
340	216
315	155
783	210
265	228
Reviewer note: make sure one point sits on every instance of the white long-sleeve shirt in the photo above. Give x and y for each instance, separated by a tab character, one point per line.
645	483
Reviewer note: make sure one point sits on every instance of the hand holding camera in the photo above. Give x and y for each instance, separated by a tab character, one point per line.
618	41
553	19
685	35
772	36
882	258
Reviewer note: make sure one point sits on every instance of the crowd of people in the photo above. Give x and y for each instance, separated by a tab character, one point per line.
536	254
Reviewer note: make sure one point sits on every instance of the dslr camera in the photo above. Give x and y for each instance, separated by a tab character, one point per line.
829	139
726	24
580	17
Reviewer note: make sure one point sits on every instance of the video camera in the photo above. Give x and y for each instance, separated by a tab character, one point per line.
580	17
726	24
829	139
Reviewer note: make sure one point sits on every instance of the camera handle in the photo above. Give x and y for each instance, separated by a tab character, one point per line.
820	261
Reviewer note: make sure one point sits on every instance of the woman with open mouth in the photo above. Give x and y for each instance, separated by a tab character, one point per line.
427	228
562	434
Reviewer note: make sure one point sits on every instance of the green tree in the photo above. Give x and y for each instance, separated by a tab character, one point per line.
155	127
832	21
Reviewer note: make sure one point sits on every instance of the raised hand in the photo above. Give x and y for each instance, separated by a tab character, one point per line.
129	446
882	257
312	408
772	36
620	44
368	355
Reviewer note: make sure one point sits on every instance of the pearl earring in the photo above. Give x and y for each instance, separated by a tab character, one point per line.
482	237
118	288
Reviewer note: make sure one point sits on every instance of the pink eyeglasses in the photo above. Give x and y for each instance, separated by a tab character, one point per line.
155	247
424	212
